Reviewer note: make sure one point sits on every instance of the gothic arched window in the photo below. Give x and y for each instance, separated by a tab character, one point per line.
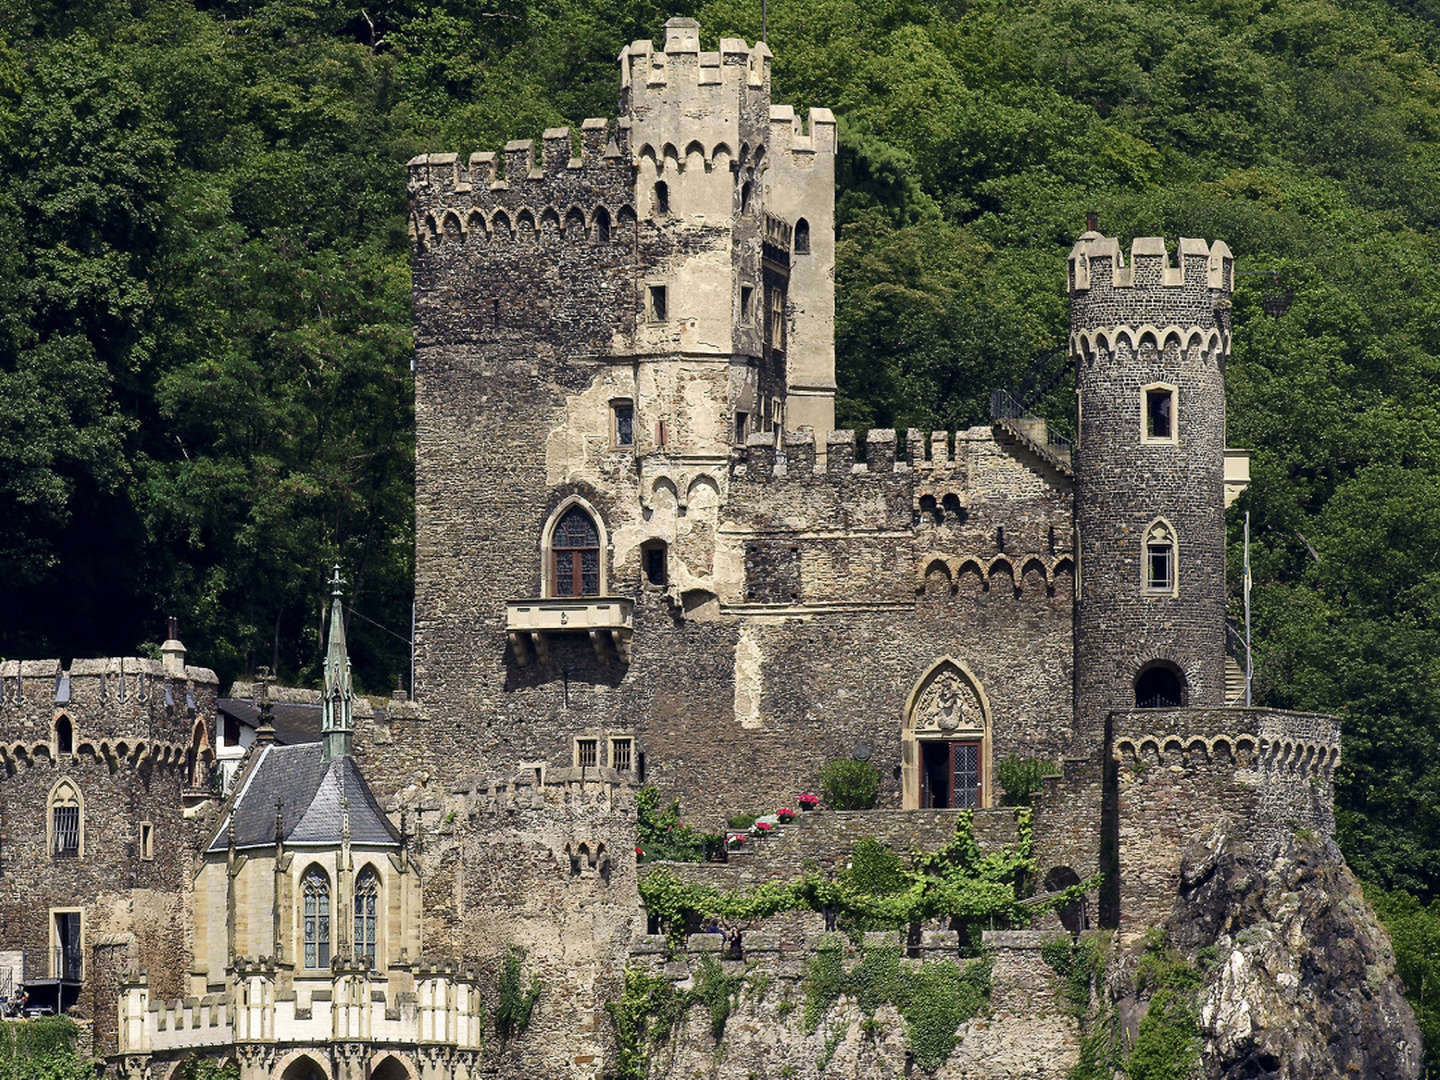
67	821
315	890
367	896
575	554
802	237
1160	559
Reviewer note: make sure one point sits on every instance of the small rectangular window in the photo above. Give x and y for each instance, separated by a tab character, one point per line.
147	840
742	421
587	754
623	426
1160	413
747	304
659	307
1159	568
622	754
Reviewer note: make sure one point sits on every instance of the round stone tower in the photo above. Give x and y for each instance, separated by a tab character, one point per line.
1149	340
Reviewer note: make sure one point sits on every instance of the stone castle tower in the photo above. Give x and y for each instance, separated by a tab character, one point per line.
1149	342
600	330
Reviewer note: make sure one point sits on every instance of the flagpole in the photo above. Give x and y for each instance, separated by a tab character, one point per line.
1249	665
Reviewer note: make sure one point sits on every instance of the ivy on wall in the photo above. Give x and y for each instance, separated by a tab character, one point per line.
881	890
652	1006
933	999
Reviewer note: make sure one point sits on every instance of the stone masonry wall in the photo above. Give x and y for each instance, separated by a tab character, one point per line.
132	722
1261	774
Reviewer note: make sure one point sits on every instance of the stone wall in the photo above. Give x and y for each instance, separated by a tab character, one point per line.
132	725
1024	1032
1262	775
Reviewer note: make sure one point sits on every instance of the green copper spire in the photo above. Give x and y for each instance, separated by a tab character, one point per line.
336	724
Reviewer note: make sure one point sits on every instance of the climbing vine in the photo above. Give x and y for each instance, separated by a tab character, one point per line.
1167	1041
957	882
933	1000
651	1006
515	1001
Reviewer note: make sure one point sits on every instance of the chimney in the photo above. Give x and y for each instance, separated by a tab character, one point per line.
172	652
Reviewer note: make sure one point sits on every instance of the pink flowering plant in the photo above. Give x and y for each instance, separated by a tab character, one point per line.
785	814
734	840
763	826
808	801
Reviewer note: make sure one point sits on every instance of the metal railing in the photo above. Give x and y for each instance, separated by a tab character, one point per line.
1237	650
1003	406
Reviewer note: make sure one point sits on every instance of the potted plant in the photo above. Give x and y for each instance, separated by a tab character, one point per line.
785	815
808	801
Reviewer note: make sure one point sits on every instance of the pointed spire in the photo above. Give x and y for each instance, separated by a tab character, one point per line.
337	721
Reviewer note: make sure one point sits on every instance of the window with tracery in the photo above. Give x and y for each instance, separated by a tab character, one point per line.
316	893
367	895
575	550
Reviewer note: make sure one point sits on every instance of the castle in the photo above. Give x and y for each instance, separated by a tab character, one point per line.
643	556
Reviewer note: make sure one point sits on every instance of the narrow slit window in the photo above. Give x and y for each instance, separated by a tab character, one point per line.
367	894
747	304
147	840
623	423
662	198
659	306
656	572
802	237
742	423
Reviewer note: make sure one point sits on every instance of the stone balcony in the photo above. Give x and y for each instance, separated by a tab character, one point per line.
607	620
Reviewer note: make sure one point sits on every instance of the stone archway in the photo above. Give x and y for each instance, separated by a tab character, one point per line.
302	1065
946	708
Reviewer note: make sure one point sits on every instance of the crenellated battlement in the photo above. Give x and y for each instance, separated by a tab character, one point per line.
937	457
350	1004
91	681
681	66
1096	263
1149	301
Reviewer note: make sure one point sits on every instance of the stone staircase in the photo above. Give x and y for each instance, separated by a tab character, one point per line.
1234	682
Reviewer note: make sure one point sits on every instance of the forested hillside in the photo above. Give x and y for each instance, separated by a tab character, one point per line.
204	325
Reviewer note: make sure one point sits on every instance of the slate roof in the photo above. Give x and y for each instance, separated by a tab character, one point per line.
294	722
313	796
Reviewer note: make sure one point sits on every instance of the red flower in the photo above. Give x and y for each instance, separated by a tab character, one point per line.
638	851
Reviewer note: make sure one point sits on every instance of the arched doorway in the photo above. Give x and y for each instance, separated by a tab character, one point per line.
304	1067
390	1067
1160	685
1073	915
946	741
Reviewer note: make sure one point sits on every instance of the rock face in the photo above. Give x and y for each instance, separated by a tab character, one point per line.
1305	984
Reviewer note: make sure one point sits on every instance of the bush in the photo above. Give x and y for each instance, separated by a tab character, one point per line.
664	836
741	822
1022	778
850	785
